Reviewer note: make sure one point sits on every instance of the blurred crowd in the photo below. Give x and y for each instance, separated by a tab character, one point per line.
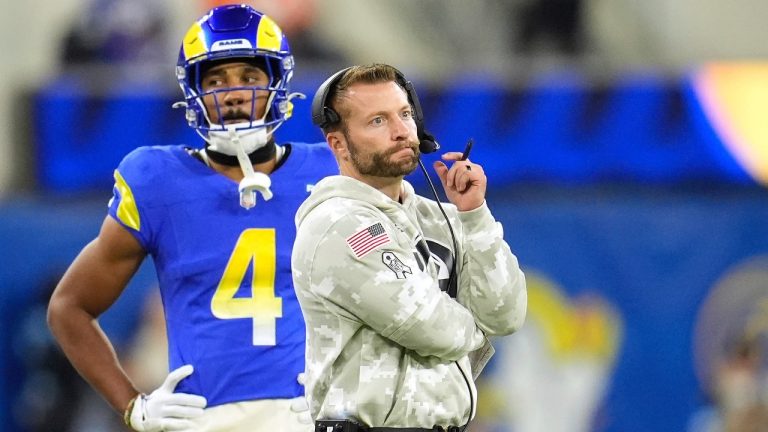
425	36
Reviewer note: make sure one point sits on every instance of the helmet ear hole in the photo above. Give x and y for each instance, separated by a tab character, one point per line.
191	117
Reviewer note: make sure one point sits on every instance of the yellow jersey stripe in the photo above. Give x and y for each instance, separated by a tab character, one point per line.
127	211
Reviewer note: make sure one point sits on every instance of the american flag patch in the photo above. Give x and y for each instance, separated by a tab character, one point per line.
367	239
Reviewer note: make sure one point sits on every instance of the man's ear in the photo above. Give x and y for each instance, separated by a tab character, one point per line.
338	144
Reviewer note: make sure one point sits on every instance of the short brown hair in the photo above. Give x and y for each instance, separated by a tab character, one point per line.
369	74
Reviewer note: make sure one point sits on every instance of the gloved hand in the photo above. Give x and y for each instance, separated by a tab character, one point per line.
300	406
164	410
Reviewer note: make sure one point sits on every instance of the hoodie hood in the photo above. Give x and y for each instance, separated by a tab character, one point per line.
348	188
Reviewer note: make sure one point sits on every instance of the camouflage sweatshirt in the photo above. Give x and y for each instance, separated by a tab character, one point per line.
386	346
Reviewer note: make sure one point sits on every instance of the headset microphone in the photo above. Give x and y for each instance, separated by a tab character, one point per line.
427	142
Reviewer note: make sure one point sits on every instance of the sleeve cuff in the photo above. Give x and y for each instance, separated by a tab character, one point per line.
477	218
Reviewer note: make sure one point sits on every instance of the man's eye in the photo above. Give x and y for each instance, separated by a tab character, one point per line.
407	114
377	120
213	83
256	80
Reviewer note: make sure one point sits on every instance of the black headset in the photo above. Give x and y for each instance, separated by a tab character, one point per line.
324	116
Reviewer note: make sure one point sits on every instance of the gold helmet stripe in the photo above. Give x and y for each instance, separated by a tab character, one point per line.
194	42
268	35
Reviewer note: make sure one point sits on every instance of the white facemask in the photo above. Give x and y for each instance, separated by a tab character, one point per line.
250	139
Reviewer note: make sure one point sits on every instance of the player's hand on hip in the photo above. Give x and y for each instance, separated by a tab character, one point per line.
164	410
464	182
299	405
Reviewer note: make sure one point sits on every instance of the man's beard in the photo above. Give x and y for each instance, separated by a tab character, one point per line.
380	164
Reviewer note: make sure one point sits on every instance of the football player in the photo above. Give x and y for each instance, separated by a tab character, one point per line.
218	223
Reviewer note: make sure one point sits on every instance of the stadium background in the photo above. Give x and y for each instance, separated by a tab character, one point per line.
627	150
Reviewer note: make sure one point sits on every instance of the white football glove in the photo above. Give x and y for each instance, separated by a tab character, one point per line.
300	406
164	410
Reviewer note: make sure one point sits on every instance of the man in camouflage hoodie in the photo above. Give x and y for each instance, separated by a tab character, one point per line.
387	346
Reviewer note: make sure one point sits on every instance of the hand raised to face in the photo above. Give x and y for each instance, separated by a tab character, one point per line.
464	182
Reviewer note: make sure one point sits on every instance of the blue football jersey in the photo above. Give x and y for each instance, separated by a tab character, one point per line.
224	271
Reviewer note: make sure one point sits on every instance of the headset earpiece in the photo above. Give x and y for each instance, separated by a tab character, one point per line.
323	115
331	116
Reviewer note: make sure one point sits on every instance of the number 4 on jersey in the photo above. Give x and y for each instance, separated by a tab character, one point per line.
255	246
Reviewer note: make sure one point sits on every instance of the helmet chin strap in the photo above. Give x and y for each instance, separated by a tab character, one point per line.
253	181
257	156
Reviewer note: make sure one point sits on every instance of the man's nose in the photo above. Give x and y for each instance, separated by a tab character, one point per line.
400	128
234	98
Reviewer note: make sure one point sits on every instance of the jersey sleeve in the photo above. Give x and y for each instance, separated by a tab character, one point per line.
491	283
130	194
384	288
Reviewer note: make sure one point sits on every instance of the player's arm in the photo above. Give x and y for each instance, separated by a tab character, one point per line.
404	304
91	284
